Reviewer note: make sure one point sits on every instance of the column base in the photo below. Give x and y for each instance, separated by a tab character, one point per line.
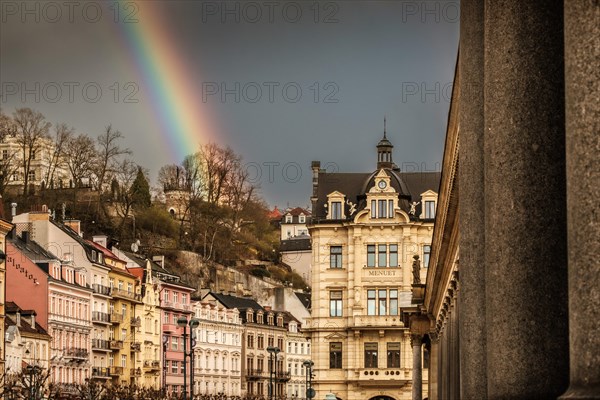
579	392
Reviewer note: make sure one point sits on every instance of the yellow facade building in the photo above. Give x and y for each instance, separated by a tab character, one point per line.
125	324
367	230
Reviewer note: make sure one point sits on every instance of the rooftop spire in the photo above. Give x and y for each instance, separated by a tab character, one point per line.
384	128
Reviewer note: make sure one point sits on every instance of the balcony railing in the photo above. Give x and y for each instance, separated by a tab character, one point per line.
101	289
136	346
377	321
68	388
100	373
135	372
76	353
255	373
383	376
282	376
136	322
116	318
116	371
98	316
125	294
100	344
116	344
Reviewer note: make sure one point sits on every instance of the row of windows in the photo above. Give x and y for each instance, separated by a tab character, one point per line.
293	348
371	355
379	302
380	255
382	302
301	219
382	208
173	297
260	341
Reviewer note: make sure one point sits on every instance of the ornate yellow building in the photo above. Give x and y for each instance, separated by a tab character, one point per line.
125	324
366	231
149	333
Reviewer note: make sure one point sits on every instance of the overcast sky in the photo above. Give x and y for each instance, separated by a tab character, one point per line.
354	62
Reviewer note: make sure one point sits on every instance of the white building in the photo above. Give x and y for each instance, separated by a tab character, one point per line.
218	351
298	352
27	342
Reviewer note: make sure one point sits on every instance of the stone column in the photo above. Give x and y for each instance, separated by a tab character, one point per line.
582	30
525	202
432	385
471	320
417	368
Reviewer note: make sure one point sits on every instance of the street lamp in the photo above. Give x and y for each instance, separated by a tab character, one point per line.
273	351
183	322
165	340
310	392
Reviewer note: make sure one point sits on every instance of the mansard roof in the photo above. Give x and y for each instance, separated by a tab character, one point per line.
355	186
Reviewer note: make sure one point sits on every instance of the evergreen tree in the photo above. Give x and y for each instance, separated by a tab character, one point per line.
140	191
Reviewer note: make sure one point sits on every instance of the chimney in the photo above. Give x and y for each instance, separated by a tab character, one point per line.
13	209
32	320
25	236
267	308
316	168
18	318
160	260
74	224
102	240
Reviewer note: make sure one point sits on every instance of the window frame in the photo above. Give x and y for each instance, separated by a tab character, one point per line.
371	355
393	354
335	258
335	355
336	304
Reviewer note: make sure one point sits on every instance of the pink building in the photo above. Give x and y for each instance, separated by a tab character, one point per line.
38	280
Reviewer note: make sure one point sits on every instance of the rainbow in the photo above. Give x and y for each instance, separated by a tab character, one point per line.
181	115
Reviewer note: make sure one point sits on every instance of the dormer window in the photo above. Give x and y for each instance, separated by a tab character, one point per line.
302	219
335	202
428	204
280	321
288	219
270	319
336	210
430	209
249	316
259	318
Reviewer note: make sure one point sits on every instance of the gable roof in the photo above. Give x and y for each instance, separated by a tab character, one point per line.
241	303
304	298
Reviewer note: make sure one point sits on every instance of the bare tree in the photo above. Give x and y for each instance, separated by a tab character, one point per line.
124	177
80	155
8	163
32	130
108	153
62	135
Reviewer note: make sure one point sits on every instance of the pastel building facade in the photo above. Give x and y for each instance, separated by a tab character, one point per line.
218	350
56	291
366	230
149	334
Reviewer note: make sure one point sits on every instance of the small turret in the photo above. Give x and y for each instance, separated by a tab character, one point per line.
384	150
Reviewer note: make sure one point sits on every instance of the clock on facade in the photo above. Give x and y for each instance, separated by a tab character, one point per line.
382	184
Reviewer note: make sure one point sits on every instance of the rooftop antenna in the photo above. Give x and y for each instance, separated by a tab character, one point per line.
384	128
